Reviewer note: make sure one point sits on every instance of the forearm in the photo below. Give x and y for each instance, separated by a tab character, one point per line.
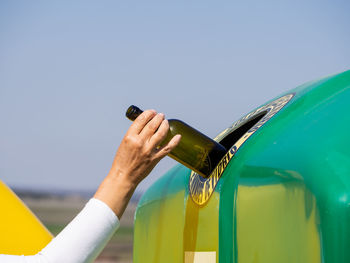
115	191
137	155
86	235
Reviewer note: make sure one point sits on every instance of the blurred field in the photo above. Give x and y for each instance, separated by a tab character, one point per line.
57	212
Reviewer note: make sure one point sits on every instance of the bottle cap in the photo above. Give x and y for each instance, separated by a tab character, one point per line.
133	112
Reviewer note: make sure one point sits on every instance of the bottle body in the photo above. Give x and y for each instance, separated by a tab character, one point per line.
195	150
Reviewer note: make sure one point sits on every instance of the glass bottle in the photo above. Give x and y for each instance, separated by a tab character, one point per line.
195	150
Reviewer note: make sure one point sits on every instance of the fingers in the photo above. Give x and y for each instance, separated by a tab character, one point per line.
152	126
152	129
160	134
140	122
168	147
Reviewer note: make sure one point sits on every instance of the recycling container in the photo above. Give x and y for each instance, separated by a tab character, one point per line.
280	194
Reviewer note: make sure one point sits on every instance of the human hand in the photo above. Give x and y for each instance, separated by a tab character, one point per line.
136	156
139	150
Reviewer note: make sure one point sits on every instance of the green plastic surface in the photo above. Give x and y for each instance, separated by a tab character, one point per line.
284	196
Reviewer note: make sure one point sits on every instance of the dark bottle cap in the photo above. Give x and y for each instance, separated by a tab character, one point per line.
133	112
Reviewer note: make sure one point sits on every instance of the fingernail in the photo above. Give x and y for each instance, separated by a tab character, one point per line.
161	115
178	136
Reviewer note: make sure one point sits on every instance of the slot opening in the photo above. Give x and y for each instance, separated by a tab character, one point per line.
236	134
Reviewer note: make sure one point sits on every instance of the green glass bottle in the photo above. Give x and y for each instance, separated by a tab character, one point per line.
195	150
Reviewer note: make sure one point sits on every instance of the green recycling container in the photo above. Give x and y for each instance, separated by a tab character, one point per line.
281	194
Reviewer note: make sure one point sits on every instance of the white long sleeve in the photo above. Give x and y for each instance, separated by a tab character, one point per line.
80	241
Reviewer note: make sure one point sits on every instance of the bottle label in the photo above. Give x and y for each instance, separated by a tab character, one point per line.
202	188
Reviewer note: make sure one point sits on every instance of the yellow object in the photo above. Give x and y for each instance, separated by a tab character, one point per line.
21	232
268	214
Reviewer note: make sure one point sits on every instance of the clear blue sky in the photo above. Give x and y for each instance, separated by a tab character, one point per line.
69	70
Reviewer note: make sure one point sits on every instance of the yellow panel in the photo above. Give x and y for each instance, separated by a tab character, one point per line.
201	229
277	223
21	232
167	228
159	227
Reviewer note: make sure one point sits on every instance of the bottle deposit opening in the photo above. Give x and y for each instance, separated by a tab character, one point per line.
236	134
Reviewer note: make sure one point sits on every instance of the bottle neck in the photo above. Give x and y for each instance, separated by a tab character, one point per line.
133	112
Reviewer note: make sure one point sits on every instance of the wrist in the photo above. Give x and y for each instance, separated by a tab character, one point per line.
116	191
